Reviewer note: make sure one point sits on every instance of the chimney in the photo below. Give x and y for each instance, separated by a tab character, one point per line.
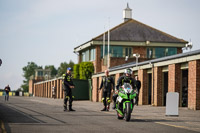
127	13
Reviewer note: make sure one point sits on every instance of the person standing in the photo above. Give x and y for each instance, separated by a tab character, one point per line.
138	86
107	84
7	90
54	91
68	85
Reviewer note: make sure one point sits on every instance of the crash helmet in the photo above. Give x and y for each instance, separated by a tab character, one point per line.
128	71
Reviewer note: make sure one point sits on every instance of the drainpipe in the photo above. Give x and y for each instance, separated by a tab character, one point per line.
153	83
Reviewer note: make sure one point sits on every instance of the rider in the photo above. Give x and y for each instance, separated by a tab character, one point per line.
68	85
126	78
107	84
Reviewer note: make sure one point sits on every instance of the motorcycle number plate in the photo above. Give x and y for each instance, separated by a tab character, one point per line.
119	99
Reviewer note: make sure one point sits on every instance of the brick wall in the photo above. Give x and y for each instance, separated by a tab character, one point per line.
174	78
100	92
141	50
31	86
97	64
194	85
158	93
143	96
94	90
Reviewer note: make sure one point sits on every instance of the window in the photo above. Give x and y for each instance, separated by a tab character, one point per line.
171	51
92	54
40	73
149	53
83	56
117	51
88	55
128	51
159	52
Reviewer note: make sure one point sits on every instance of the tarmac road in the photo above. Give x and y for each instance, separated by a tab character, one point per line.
43	115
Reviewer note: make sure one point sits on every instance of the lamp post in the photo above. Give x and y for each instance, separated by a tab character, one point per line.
136	56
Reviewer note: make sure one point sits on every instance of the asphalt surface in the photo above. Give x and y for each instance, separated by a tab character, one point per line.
41	115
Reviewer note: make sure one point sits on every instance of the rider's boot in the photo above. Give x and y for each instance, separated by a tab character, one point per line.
104	109
65	107
114	105
108	107
70	108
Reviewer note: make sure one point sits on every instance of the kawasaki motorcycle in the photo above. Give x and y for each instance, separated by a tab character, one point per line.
124	102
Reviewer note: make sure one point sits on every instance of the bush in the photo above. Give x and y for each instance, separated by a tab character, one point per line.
76	71
86	69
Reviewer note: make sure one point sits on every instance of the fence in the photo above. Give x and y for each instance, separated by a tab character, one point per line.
44	89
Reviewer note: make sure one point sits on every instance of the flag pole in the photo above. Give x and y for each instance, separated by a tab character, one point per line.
108	43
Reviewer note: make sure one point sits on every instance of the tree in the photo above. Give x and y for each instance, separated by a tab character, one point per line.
28	71
54	71
63	67
86	69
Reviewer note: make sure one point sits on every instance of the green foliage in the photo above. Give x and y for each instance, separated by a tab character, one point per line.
25	87
63	67
76	71
28	71
53	70
86	69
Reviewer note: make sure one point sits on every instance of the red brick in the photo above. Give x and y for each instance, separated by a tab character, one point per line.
194	85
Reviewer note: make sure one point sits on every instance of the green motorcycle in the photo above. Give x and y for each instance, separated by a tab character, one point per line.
124	102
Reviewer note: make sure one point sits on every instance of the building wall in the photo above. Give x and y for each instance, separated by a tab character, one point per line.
194	85
98	59
31	86
158	93
174	78
174	83
143	95
100	66
141	50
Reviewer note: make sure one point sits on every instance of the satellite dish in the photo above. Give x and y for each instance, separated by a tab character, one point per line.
189	45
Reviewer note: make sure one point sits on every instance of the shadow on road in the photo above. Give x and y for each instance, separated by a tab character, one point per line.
150	120
11	115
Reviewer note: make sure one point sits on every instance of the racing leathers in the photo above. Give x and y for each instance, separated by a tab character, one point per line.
67	83
123	79
107	84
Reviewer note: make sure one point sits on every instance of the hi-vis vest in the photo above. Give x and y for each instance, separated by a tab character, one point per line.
130	81
69	78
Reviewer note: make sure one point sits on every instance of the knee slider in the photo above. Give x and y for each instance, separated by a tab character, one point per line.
108	99
102	99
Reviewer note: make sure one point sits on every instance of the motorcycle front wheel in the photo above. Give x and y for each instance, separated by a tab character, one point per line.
127	111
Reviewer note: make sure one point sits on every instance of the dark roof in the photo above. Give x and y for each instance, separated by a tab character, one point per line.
136	31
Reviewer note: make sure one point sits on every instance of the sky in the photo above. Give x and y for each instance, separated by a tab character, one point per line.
46	31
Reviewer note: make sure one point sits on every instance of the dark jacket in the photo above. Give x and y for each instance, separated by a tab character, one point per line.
7	89
124	79
138	84
67	80
107	83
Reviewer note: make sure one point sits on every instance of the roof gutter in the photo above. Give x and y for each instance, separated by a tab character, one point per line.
83	46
